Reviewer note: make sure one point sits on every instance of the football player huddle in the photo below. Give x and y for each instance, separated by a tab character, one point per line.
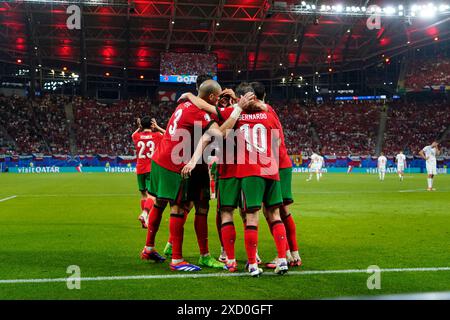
251	172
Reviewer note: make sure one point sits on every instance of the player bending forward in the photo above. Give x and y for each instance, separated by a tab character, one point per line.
429	154
382	161
145	141
401	164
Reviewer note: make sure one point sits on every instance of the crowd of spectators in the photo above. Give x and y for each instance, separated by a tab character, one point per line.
173	63
426	73
19	121
51	121
106	128
341	129
345	129
411	126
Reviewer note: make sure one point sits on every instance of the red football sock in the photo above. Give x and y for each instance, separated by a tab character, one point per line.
176	226
142	204
201	230
251	243
219	226
291	233
148	204
213	186
186	212
154	220
229	238
279	235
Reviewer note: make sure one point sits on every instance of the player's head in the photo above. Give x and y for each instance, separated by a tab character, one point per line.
210	91
146	122
243	88
200	79
381	153
401	152
434	144
260	90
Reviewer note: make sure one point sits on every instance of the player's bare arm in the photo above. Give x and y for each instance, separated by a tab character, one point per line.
156	127
422	154
138	121
247	104
213	131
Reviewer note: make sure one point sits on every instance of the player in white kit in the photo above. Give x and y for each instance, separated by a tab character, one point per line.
314	166
321	165
382	161
429	154
401	164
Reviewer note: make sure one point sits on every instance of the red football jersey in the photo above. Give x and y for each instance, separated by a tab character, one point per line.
179	136
285	161
224	169
146	143
257	136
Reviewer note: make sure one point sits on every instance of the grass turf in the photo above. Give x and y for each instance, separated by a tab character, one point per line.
343	222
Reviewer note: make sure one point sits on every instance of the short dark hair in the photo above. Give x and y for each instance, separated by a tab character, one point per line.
260	90
202	78
243	88
146	122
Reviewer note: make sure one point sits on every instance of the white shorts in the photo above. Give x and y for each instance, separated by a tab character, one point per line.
382	170
431	168
400	168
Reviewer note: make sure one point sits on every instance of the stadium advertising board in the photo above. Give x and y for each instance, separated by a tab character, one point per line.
55	169
118	169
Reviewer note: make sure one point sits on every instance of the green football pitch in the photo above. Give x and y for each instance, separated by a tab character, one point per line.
345	223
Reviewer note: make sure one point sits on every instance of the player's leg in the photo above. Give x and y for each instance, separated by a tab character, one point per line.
186	209
142	185
311	170
317	174
273	200
292	254
253	189
279	236
223	254
228	197
201	230
176	228
149	252
431	170
291	234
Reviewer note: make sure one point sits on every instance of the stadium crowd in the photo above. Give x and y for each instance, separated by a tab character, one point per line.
188	63
410	126
426	73
344	129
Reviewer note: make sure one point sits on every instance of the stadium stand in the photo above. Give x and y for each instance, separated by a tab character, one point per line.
344	129
427	73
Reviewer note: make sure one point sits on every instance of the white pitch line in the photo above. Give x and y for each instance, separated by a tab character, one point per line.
215	275
8	198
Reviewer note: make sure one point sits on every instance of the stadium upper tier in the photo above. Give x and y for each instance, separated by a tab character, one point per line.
64	125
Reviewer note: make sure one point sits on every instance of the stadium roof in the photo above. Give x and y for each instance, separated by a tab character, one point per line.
265	37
